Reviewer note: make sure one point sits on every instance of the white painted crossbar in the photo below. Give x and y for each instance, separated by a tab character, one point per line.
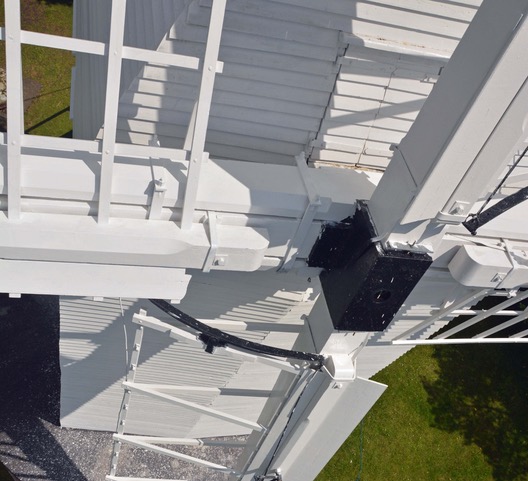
464	301
192	406
182	441
203	107
127	478
476	317
173	454
504	325
474	320
482	340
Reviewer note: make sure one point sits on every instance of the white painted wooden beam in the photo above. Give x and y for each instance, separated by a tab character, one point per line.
151	56
172	454
63	43
203	108
15	107
115	56
92	280
466	132
226	186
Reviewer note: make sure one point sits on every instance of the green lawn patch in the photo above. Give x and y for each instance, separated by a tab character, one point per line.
449	413
46	71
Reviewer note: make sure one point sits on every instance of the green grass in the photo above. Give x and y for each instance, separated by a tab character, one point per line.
48	113
449	413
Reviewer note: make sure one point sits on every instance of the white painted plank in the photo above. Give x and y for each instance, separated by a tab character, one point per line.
63	43
115	48
202	111
15	107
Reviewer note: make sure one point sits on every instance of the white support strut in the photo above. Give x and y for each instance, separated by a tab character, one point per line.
15	107
203	108
113	79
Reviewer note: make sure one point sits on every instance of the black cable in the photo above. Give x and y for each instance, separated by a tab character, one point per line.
213	337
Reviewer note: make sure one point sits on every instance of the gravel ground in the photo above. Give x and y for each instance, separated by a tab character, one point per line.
32	444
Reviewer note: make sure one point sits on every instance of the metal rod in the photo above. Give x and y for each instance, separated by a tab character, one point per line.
472	297
485	340
123	410
504	325
499	307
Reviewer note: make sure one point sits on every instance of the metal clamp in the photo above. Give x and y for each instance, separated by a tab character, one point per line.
314	204
276	476
211	259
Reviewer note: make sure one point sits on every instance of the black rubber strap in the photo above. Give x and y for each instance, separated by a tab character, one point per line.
472	223
212	338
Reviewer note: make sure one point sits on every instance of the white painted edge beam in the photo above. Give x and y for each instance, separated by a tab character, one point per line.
193	406
469	298
94	146
15	107
203	108
485	340
474	320
93	280
173	454
113	80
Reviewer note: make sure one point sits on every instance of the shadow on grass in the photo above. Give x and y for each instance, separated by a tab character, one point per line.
48	119
482	392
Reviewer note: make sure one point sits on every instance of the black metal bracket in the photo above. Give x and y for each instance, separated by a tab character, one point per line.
364	283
